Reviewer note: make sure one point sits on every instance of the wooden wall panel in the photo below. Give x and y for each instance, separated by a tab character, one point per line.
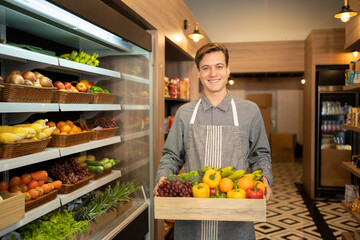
168	17
277	56
322	47
352	29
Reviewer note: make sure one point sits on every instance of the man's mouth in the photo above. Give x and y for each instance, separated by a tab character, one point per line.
214	80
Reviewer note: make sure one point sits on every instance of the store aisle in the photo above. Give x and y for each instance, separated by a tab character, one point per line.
288	215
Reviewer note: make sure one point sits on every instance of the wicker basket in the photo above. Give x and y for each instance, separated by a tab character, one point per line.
46	197
101	174
68	188
15	149
102	98
101	133
67	140
21	93
71	97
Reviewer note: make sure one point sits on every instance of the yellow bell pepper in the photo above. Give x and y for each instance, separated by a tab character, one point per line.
236	193
212	178
201	190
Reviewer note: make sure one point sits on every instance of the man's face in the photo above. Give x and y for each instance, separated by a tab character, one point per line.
213	72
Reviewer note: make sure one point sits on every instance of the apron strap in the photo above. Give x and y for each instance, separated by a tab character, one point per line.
235	116
192	121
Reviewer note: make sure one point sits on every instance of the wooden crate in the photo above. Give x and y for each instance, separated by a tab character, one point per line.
177	208
12	209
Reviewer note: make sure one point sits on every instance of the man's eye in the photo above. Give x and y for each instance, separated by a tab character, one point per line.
220	67
205	68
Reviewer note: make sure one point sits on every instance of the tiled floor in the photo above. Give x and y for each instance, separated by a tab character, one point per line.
288	216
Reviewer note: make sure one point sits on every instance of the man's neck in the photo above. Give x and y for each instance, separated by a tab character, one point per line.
216	98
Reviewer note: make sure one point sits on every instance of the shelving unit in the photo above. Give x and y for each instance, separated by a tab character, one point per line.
352	87
76	38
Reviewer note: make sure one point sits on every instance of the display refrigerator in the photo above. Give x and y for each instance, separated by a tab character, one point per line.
334	144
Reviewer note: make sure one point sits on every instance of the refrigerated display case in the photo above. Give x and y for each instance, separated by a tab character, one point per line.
334	144
33	34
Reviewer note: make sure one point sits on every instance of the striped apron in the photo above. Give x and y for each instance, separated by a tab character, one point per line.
215	146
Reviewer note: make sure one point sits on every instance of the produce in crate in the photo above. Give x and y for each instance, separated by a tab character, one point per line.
68	171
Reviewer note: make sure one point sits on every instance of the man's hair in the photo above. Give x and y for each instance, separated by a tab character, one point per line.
208	48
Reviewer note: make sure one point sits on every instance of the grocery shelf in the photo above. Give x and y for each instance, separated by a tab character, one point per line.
89	107
85	69
136	165
19	54
11	163
355	86
66	198
346	205
89	145
135	135
351	167
351	127
135	107
22	107
32	215
117	225
134	78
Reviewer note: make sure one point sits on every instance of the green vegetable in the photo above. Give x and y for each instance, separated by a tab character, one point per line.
54	226
107	165
94	163
95	169
171	177
195	179
106	91
96	89
104	201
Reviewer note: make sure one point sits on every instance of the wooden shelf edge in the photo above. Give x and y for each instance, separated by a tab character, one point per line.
355	86
351	168
351	127
346	205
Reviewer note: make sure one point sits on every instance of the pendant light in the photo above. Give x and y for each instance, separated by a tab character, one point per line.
346	13
196	35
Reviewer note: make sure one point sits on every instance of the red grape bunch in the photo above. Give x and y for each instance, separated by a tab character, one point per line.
68	171
175	188
108	123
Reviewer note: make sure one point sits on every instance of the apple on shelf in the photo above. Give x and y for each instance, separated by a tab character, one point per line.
81	87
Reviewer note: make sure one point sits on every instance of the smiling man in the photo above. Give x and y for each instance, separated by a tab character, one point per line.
217	130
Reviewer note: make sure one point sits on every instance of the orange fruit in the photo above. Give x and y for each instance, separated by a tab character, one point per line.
15	181
15	189
40	190
51	124
69	122
23	188
260	185
46	188
34	193
245	182
74	129
66	128
33	184
60	124
63	133
4	186
25	178
56	131
226	184
79	129
27	196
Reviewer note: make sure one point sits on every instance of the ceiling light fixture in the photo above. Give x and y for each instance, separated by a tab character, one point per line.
230	80
196	35
346	13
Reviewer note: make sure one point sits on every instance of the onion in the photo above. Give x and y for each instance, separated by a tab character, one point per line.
29	76
37	83
28	83
15	72
1	80
15	78
45	81
38	75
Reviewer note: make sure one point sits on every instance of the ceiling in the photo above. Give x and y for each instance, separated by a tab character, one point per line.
264	20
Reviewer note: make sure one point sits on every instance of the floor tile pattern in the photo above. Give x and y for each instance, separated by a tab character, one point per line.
288	216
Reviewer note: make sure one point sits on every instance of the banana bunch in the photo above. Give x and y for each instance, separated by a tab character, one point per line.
32	131
256	175
82	57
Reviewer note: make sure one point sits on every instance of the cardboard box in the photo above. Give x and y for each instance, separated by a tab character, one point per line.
282	140
261	99
12	209
282	154
331	174
227	209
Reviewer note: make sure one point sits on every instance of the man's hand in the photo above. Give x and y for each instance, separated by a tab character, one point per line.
155	193
268	191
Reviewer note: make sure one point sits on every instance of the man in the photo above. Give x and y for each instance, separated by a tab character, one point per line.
217	130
